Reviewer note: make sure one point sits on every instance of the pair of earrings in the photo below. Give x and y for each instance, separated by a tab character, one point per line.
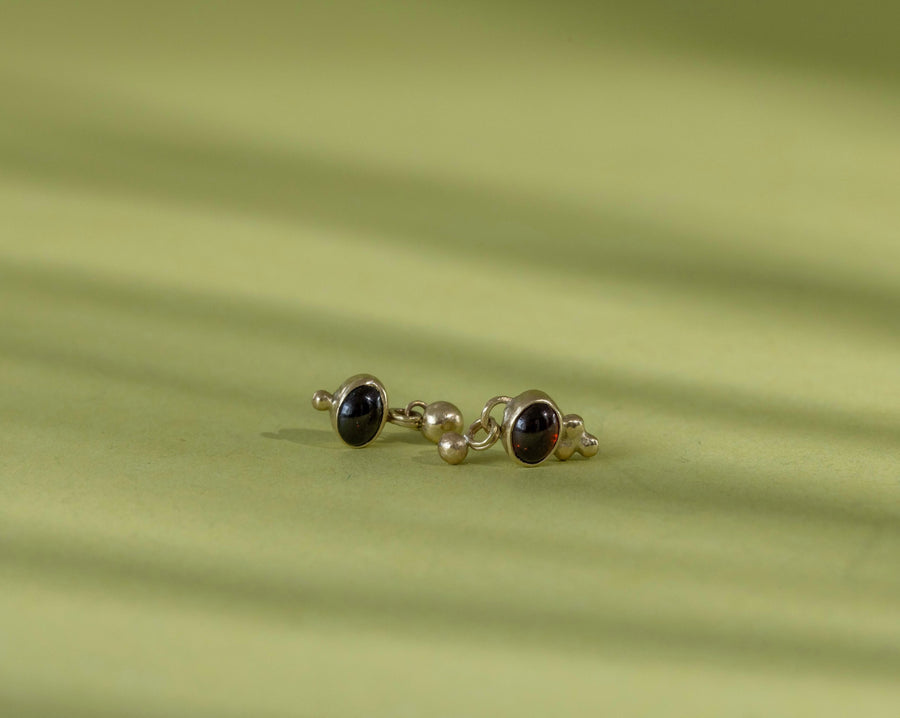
532	429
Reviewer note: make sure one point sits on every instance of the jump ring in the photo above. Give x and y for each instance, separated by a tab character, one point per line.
416	405
489	407
493	434
401	417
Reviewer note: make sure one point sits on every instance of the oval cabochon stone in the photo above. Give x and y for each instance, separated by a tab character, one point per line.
359	415
535	433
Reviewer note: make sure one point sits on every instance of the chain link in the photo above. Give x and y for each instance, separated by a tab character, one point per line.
408	417
489	407
493	434
487	424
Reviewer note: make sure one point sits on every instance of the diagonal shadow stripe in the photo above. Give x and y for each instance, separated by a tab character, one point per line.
18	701
344	336
334	336
596	628
504	226
829	39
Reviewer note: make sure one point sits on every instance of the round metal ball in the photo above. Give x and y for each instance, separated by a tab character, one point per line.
439	418
453	448
322	400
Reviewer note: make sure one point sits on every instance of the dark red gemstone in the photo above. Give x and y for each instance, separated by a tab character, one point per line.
535	433
360	415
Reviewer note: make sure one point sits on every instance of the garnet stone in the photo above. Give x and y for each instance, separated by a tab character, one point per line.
535	433
360	414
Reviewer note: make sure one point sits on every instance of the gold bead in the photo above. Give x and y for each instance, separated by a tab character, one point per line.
439	418
322	400
453	447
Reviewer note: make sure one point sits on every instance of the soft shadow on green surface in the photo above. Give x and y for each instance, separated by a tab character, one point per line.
699	486
189	189
849	42
594	629
535	233
342	336
324	439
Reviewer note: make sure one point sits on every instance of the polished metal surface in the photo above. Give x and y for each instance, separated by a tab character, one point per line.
575	439
439	418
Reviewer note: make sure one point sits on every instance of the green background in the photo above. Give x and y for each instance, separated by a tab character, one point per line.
681	220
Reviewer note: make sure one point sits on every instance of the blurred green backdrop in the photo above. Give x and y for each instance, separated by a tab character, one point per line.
680	219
